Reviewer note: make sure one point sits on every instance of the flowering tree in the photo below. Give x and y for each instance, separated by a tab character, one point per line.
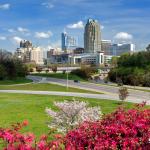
71	114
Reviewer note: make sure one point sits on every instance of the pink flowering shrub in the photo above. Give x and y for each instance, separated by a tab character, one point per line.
15	140
121	130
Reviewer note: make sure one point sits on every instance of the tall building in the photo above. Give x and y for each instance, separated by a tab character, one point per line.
106	47
37	55
68	42
25	44
119	49
92	37
64	41
28	53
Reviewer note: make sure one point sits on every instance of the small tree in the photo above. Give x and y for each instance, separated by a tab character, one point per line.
47	70
123	93
64	71
54	69
71	114
119	81
148	48
39	69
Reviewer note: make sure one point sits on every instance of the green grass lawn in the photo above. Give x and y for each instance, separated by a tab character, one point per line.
45	87
18	107
60	76
18	80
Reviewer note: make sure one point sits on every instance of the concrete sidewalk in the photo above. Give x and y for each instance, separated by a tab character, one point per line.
73	94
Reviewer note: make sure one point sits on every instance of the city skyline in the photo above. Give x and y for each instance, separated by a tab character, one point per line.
42	22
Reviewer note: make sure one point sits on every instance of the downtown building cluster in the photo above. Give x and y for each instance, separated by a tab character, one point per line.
96	51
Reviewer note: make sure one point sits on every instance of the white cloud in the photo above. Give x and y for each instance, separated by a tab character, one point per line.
123	36
102	27
48	5
78	25
4	6
11	30
3	38
20	29
17	39
44	35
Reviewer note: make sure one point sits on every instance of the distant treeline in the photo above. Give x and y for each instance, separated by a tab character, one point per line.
132	69
10	68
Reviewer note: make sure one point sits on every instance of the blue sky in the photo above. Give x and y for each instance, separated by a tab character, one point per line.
42	21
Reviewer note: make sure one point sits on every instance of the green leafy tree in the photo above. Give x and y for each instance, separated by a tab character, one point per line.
148	48
114	61
85	72
54	69
2	72
39	69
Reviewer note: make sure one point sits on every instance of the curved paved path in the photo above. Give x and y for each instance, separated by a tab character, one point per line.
73	94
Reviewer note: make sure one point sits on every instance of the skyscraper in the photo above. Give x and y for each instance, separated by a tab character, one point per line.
68	42
64	41
92	37
106	46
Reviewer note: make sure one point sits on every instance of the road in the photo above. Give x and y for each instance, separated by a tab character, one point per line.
111	92
73	94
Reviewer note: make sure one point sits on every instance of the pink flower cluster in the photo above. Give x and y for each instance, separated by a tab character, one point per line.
15	140
121	130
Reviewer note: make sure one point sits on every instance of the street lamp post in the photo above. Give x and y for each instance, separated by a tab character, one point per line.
67	78
67	86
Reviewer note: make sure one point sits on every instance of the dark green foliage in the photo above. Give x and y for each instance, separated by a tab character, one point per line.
132	69
10	68
38	69
54	69
2	72
148	48
84	72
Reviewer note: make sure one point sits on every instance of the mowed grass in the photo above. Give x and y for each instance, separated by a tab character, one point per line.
45	87
60	76
18	107
18	80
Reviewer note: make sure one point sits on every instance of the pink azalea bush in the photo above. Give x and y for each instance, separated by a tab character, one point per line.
13	139
121	130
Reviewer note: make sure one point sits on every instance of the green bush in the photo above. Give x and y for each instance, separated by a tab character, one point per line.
84	72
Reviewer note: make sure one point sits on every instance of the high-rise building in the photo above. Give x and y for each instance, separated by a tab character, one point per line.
25	44
37	55
68	42
119	49
24	52
106	47
28	53
64	41
92	37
